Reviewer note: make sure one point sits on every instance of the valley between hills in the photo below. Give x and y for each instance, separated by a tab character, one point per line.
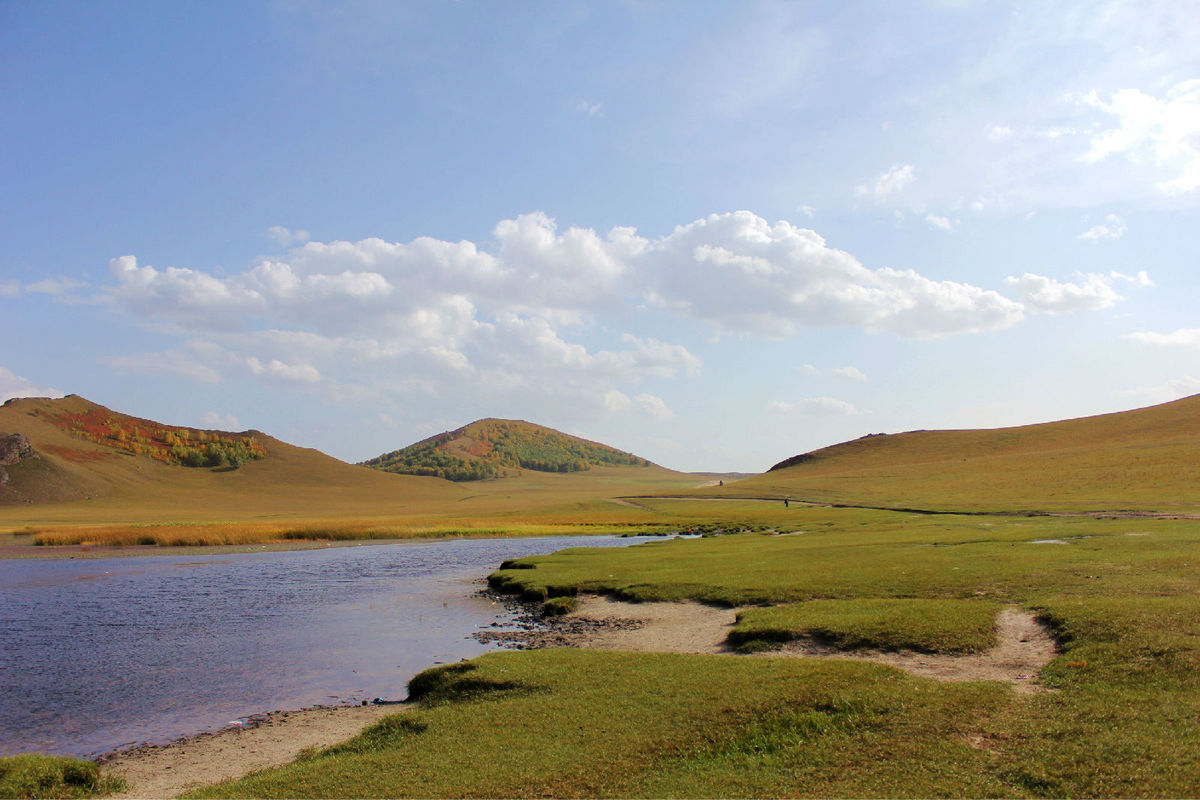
839	595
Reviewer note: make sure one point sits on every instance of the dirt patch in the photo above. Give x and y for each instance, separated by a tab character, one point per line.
265	741
1023	645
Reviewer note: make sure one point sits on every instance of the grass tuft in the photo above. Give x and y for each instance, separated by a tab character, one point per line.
38	776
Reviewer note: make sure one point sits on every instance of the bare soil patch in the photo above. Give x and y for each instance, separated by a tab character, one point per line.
155	771
1023	645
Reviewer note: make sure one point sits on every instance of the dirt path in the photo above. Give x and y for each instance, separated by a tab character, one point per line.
169	770
1023	644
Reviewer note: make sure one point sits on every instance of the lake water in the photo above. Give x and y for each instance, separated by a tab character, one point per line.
98	654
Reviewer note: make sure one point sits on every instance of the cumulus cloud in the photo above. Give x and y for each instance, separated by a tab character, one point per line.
286	237
891	182
617	401
9	289
997	133
591	108
938	221
1113	227
815	406
225	422
13	385
1164	131
654	406
1183	337
53	286
1040	293
521	316
1171	390
743	275
850	374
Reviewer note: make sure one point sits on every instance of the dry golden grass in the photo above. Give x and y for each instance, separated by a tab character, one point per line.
1142	460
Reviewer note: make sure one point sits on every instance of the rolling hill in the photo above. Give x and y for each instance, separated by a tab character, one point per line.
491	448
95	464
1147	459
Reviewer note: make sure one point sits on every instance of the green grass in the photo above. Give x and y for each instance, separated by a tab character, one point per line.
566	723
37	776
929	626
1121	717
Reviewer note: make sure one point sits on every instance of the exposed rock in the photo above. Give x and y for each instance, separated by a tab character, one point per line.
13	448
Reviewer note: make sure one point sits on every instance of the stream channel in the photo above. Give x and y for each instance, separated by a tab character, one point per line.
101	654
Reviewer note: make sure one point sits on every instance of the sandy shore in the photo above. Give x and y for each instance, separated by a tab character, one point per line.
169	770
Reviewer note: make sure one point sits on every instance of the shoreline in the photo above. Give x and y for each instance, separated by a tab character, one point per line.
265	740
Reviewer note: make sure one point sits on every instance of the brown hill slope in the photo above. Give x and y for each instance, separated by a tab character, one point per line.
1146	459
91	474
490	448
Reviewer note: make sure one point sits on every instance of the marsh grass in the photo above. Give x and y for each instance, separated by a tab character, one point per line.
929	626
38	776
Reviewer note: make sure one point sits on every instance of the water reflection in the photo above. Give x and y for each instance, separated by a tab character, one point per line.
102	653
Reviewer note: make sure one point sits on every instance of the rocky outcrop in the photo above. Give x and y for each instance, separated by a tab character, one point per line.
14	447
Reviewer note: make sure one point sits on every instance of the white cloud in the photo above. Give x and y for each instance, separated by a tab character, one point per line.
890	182
9	289
808	370
53	286
850	374
1183	337
654	406
1141	279
938	221
1049	296
1165	132
743	275
286	237
224	422
1171	390
592	109
376	318
617	401
997	133
12	385
807	210
815	406
1113	227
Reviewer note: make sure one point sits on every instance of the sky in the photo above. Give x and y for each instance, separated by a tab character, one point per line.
715	234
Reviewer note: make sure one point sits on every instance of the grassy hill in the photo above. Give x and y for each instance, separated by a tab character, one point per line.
103	477
490	448
97	465
1141	460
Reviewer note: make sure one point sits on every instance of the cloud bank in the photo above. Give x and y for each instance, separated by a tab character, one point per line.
536	310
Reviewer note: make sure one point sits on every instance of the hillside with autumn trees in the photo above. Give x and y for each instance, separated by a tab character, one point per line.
490	448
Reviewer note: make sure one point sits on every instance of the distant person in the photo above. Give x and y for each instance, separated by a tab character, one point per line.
720	483
785	503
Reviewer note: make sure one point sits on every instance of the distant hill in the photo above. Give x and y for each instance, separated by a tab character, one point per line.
489	448
127	468
1145	459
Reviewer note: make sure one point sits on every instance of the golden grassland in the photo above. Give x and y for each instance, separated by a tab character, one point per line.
1141	460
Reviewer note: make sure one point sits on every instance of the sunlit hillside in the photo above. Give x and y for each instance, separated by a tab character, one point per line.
1146	459
96	464
492	448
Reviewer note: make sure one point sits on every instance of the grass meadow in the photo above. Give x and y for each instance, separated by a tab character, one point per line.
1121	716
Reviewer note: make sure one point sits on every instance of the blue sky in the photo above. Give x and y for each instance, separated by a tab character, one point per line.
714	234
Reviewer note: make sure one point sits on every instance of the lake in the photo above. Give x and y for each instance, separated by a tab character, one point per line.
100	654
